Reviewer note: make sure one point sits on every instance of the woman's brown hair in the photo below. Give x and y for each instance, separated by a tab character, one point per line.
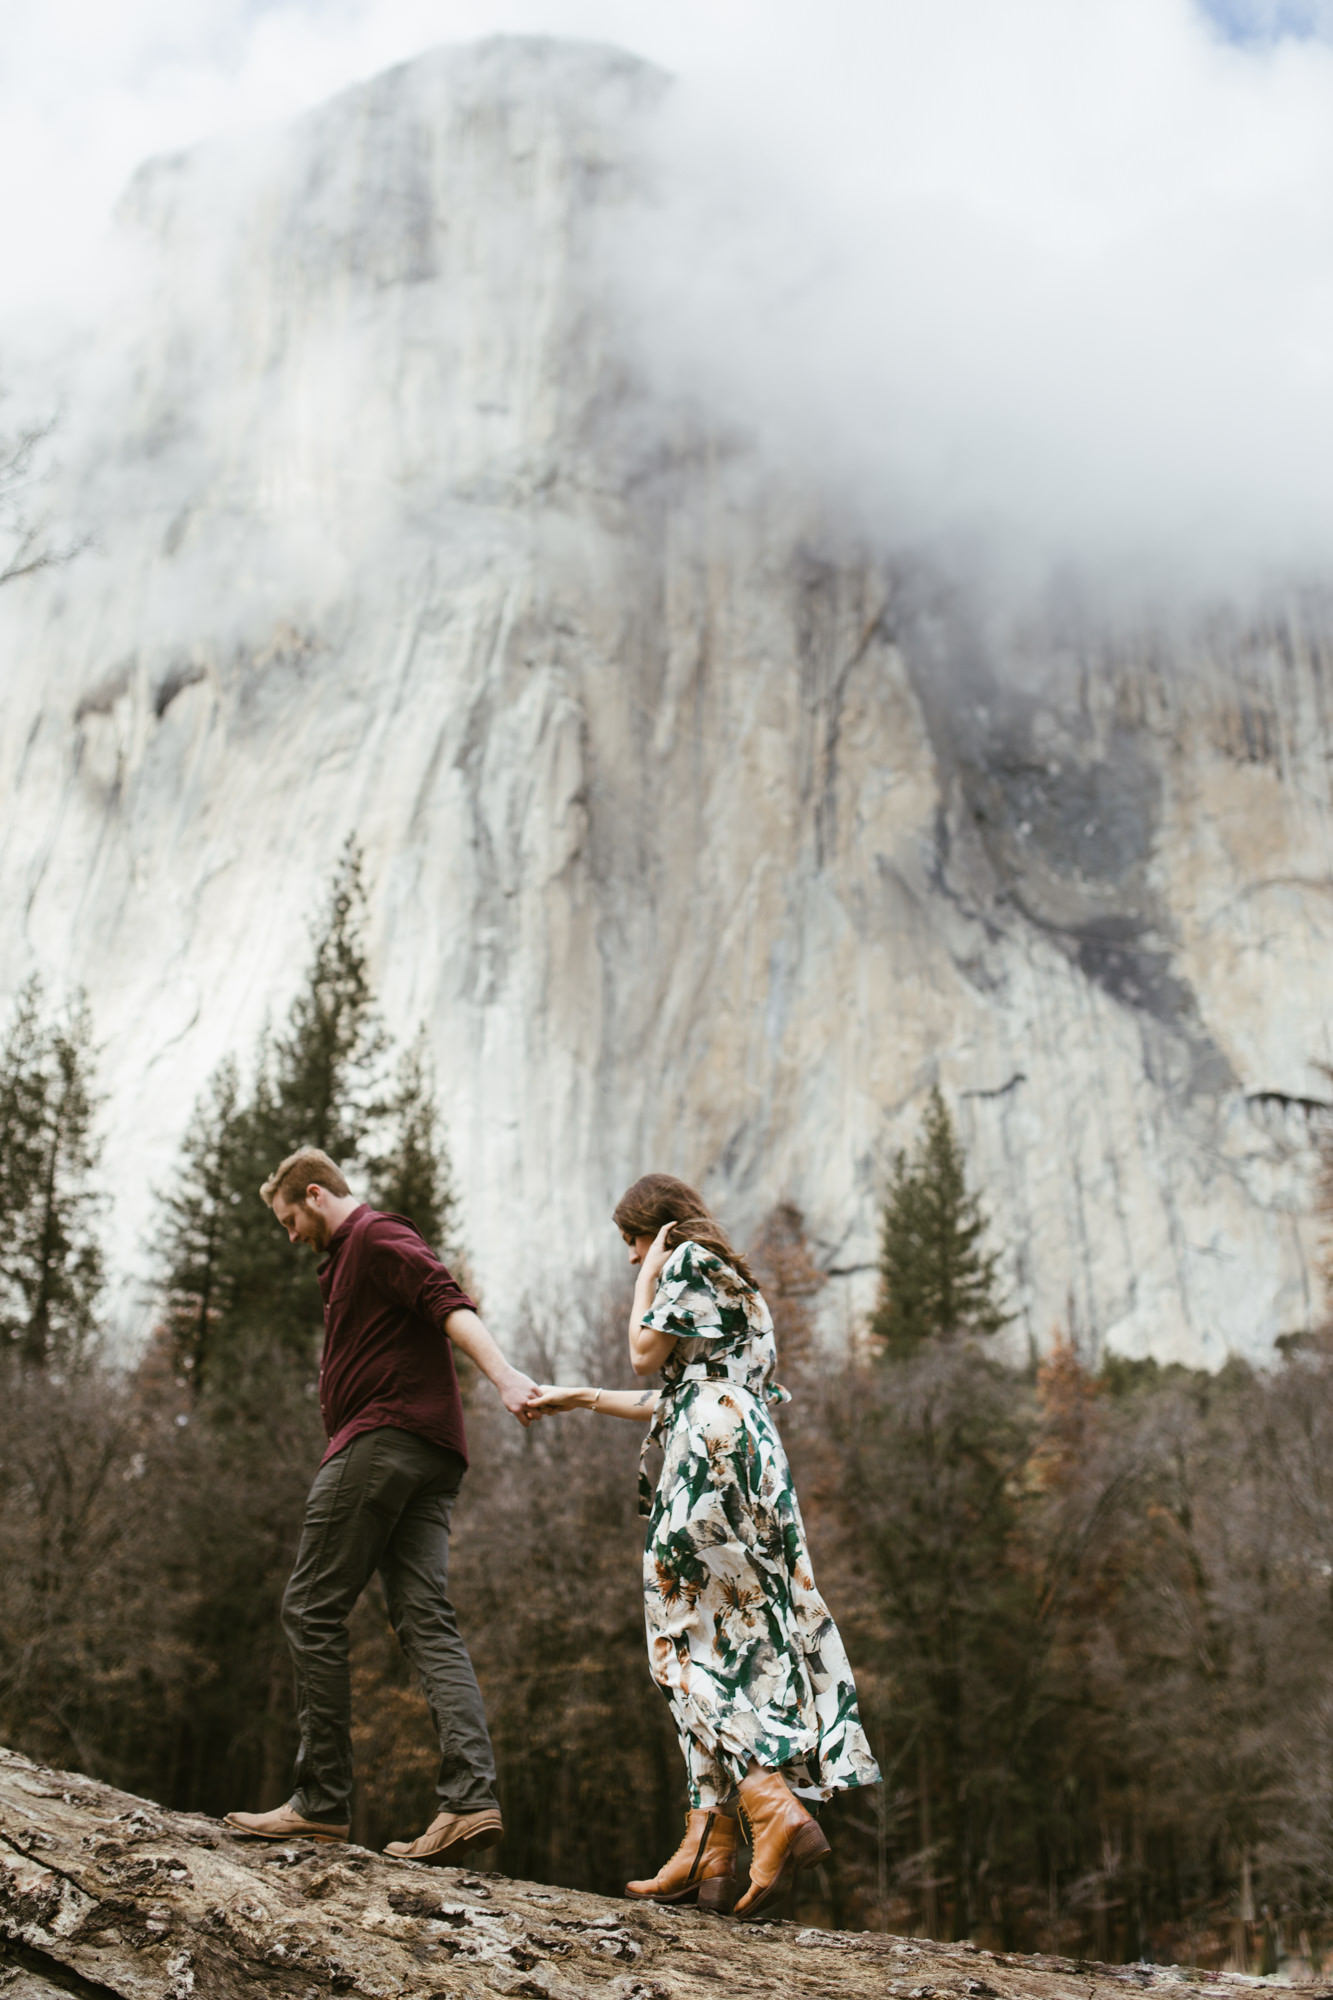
659	1198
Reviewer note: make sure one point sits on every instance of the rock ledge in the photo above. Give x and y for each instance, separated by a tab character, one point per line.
110	1897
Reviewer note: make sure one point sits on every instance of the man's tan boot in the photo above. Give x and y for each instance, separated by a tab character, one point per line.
703	1866
284	1824
783	1838
451	1838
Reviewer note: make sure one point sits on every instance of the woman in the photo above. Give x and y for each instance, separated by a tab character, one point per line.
739	1638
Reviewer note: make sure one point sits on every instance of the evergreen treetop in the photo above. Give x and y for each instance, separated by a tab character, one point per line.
326	1067
51	1267
412	1176
935	1277
240	1299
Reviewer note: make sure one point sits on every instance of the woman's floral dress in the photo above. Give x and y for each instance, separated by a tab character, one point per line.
739	1639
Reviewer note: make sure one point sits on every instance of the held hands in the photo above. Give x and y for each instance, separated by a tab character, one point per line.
551	1401
519	1393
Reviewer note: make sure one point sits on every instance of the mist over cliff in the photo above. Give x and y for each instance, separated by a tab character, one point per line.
704	827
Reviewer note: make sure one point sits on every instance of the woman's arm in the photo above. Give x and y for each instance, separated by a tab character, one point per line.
648	1348
635	1405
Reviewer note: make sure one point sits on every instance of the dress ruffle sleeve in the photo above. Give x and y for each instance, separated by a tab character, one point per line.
685	1302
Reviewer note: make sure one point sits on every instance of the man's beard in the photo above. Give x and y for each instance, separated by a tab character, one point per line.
320	1240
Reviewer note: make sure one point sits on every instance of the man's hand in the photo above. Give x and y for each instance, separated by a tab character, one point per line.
520	1396
515	1389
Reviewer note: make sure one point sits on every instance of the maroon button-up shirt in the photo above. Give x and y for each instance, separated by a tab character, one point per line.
387	1361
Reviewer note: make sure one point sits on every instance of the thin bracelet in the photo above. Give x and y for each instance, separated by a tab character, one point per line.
596	1400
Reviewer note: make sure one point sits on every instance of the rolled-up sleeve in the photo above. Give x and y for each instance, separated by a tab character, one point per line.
407	1271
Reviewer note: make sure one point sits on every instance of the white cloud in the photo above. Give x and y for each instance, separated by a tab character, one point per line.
1061	275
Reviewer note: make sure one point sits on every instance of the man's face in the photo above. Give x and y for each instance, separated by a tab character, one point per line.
302	1219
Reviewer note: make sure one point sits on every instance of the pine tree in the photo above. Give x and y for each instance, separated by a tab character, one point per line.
935	1278
51	1268
413	1177
325	1071
201	1211
22	1108
241	1301
242	1304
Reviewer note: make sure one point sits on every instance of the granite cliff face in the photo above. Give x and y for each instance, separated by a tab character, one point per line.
699	839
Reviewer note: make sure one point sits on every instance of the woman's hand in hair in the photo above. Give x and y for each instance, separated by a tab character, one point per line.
651	1268
648	1348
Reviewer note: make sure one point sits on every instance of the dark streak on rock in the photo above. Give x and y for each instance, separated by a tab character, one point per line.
1003	1090
174	682
1313	1107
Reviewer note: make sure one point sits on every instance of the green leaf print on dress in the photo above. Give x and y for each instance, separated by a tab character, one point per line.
739	1639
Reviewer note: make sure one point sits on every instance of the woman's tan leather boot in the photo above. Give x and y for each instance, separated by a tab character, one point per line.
783	1838
703	1866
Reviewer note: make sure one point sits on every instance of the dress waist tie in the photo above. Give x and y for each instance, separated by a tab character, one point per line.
695	1371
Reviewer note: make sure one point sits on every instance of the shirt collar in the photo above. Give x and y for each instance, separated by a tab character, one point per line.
339	1235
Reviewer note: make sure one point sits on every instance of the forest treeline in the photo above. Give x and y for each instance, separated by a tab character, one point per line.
1090	1614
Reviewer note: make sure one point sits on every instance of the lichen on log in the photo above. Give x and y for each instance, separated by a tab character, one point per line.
110	1897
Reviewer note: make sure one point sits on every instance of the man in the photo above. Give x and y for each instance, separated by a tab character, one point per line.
381	1501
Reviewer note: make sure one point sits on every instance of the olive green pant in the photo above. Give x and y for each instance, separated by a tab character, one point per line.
383	1503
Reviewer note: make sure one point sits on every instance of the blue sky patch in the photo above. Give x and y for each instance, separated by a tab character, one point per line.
1259	22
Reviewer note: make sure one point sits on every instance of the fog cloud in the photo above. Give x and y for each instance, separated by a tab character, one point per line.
1056	282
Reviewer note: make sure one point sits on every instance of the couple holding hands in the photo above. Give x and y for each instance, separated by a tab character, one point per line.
739	1639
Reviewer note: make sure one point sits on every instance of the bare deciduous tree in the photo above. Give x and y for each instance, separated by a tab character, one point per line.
28	542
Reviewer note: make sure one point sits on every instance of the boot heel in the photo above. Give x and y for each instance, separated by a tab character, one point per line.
808	1846
718	1894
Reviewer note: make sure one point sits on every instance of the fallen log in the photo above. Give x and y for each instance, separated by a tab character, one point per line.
110	1897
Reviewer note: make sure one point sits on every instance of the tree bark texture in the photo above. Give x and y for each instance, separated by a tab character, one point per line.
109	1897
